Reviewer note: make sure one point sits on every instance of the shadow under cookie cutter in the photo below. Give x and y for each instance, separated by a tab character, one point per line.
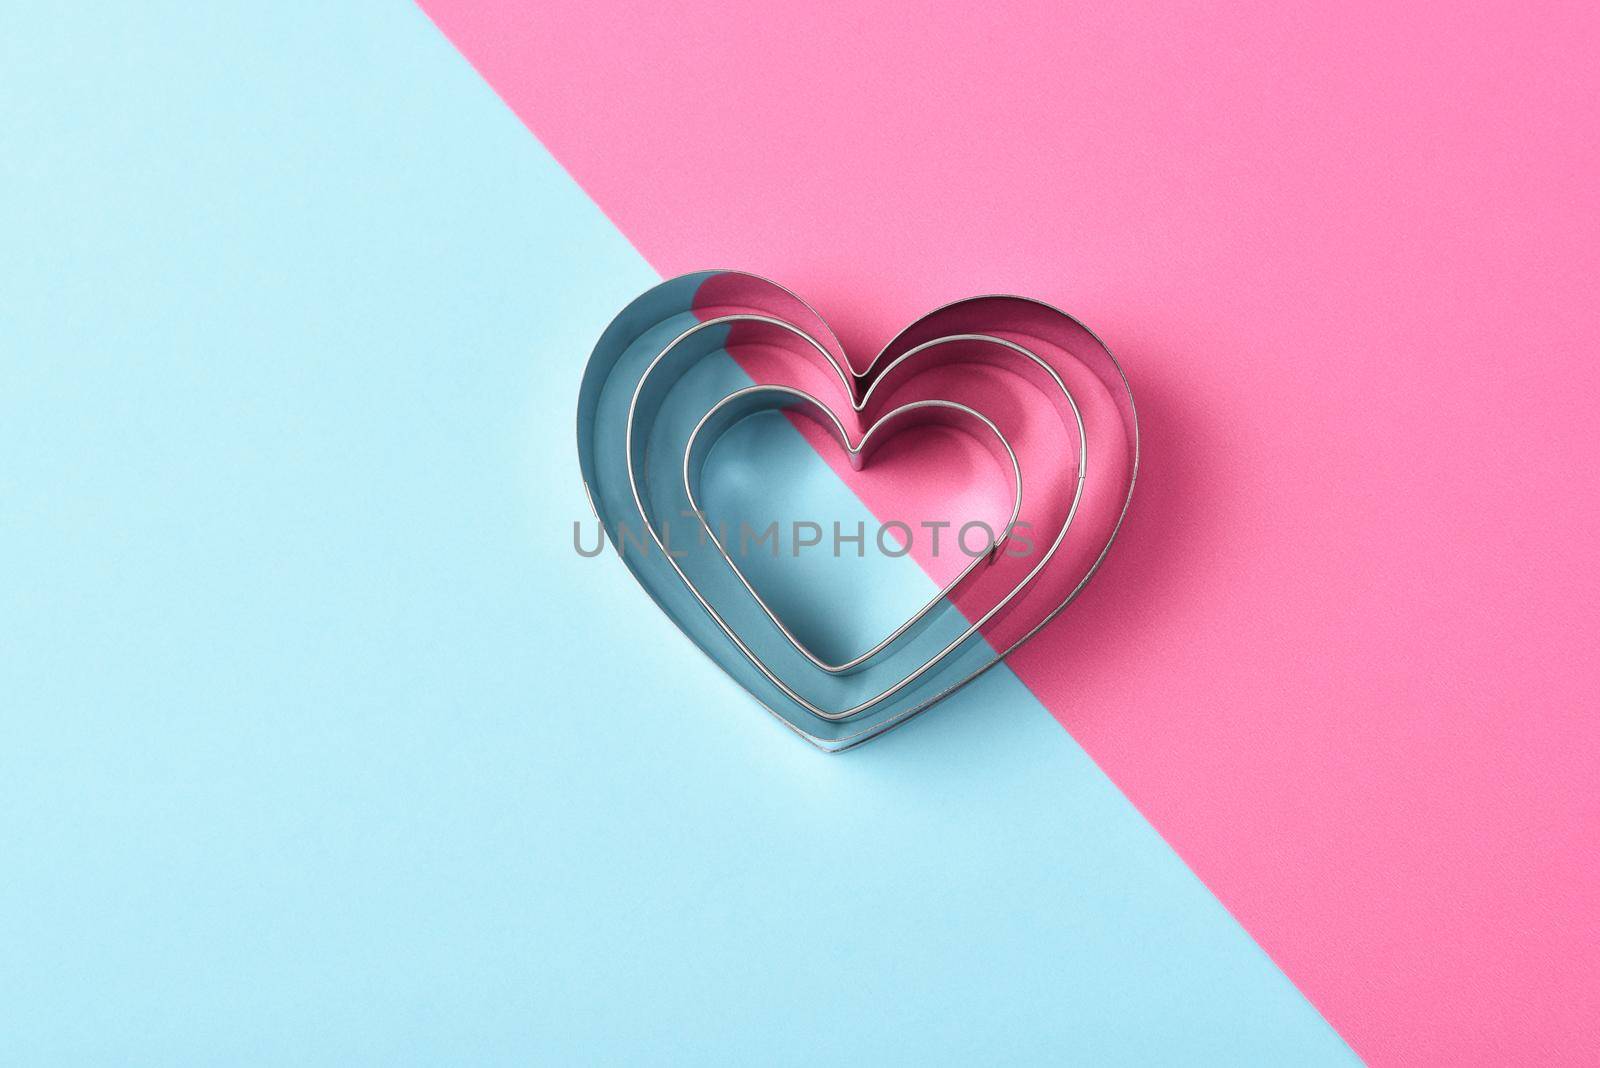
674	310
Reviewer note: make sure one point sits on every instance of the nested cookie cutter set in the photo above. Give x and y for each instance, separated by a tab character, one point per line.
694	356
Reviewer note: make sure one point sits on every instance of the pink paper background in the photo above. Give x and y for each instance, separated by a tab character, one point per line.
1343	656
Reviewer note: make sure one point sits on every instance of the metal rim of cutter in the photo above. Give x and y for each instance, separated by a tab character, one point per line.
596	373
859	401
877	387
718	420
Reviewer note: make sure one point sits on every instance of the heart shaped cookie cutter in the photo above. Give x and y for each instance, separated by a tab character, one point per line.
740	405
668	349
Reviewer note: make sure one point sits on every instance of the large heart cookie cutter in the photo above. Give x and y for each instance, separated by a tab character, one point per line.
660	385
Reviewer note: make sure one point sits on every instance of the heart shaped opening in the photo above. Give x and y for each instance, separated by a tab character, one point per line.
840	578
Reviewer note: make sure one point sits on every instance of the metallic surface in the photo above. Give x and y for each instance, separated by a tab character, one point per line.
654	355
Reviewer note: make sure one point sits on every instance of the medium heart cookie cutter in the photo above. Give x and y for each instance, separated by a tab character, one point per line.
663	363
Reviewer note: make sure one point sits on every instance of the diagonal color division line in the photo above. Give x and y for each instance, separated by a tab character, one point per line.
321	744
1335	657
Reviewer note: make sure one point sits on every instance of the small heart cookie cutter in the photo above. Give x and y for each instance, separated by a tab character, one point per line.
1023	338
741	404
